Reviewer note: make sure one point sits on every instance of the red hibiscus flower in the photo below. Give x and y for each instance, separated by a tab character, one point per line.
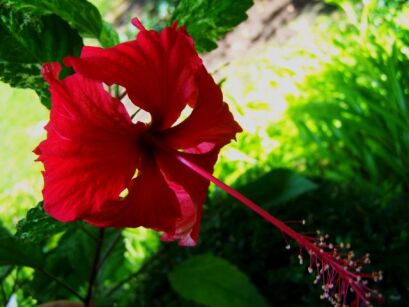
93	148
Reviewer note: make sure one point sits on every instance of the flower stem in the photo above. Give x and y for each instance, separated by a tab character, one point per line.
330	265
95	267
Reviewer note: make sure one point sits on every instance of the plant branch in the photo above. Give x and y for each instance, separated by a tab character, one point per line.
2	289
13	290
62	284
118	286
3	294
142	269
94	270
109	249
89	234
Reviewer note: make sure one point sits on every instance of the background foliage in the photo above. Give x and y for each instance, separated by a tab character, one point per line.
327	141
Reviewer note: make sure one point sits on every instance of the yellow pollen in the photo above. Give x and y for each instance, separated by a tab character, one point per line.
124	193
135	174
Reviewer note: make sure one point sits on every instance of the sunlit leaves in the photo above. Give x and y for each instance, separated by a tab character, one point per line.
353	112
38	226
108	36
208	20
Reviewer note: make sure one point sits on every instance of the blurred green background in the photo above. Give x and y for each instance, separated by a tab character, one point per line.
325	113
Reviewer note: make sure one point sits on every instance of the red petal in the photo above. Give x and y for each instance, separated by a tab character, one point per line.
191	190
90	153
157	69
166	196
150	203
210	120
138	24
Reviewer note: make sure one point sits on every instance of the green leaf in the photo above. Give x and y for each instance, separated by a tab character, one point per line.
80	14
278	186
214	282
208	20
17	252
72	258
5	271
293	185
27	42
25	76
32	39
4	233
108	36
39	226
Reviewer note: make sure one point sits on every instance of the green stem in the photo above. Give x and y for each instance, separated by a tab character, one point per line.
14	289
142	269
3	277
95	268
89	234
109	249
3	294
115	288
62	284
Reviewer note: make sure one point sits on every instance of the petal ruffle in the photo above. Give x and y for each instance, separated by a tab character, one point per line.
157	69
191	190
210	120
90	153
150	203
165	196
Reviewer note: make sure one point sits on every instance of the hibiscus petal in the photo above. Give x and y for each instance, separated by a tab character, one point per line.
191	190
90	153
157	69
210	120
150	203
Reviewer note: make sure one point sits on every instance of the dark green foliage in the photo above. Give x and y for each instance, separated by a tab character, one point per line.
27	42
213	281
62	252
4	272
38	226
4	233
208	20
80	14
71	260
16	252
231	231
279	186
31	39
